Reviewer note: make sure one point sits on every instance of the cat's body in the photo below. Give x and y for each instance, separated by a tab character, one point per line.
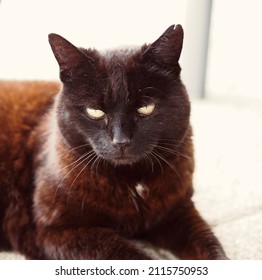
22	105
106	161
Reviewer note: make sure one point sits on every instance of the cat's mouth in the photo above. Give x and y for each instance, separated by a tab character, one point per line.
121	159
116	156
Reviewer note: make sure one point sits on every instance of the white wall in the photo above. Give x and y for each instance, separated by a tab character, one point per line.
25	24
235	51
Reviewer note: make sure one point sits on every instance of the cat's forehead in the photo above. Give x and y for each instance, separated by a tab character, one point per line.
118	64
123	78
120	54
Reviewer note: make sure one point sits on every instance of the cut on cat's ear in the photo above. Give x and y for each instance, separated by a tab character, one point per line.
68	56
167	48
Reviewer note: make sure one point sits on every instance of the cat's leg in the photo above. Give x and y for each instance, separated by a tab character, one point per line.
186	235
83	243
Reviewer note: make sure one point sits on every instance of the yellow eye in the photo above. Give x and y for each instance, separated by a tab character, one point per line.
146	110
95	114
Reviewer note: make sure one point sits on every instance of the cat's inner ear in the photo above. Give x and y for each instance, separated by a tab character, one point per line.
167	48
69	57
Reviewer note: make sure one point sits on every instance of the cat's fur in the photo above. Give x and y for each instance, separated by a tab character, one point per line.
75	187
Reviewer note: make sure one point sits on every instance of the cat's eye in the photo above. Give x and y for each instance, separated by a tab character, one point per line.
146	110
95	113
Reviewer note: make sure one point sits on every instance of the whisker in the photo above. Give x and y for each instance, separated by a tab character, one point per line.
170	141
170	165
156	158
146	88
147	158
83	205
73	149
64	167
71	186
97	165
79	161
81	157
93	167
175	152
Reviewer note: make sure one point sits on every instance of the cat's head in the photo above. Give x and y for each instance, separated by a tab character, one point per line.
127	105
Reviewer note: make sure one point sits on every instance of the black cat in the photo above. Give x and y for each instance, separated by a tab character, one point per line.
106	161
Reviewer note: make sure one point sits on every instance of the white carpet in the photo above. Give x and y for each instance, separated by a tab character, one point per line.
228	178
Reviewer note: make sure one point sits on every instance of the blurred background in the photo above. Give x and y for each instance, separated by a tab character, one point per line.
221	62
234	45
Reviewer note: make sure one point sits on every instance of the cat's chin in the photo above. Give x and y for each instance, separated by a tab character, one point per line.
123	161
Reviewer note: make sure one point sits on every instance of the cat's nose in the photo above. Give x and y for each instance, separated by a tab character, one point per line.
120	137
121	142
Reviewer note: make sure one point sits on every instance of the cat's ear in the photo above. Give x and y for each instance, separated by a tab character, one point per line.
167	48
71	60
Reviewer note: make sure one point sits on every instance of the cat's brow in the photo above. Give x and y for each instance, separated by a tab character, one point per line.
150	88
